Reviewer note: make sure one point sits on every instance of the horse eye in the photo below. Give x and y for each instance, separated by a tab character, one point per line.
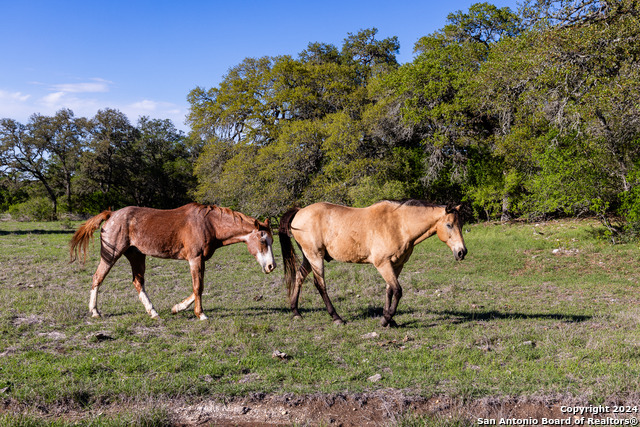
449	225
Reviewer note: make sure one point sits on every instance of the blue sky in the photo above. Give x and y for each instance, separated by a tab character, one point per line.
143	57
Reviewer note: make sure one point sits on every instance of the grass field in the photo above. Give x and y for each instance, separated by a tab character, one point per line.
515	319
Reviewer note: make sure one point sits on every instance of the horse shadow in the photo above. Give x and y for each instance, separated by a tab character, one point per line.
456	317
37	231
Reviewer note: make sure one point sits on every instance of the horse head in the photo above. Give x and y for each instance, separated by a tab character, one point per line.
449	230
259	243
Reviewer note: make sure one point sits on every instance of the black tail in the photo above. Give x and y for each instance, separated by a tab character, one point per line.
289	258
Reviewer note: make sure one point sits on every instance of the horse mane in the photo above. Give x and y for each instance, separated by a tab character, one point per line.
449	208
235	216
412	202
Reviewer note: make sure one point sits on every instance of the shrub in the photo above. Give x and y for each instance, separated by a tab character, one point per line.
34	209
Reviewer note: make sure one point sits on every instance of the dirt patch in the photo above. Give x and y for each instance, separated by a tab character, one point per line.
380	408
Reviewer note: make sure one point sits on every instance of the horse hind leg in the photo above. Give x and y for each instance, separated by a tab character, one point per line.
98	278
318	280
109	253
137	261
302	273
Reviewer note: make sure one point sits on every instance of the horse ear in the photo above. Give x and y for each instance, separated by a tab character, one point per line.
263	225
451	208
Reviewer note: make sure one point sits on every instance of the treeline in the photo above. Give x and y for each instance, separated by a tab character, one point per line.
529	113
533	113
63	163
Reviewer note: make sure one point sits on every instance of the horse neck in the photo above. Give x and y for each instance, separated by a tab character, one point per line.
230	227
422	221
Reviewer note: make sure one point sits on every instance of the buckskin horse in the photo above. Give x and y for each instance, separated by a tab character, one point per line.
192	232
383	234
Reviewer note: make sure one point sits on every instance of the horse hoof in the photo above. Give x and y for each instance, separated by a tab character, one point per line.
96	315
202	317
338	322
388	323
296	317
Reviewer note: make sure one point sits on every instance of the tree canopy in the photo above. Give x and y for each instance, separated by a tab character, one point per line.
528	113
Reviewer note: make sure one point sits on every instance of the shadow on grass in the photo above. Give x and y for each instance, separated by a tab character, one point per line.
26	232
467	316
457	317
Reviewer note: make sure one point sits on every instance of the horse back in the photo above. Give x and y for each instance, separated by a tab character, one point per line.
172	233
358	235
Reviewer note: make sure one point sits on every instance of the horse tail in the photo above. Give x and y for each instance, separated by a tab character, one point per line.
289	258
80	239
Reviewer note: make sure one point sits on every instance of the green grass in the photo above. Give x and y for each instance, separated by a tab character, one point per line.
512	319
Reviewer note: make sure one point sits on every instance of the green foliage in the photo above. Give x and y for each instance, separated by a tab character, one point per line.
529	114
34	209
86	166
280	131
571	180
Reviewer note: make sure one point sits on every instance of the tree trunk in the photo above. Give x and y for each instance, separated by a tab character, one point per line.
506	203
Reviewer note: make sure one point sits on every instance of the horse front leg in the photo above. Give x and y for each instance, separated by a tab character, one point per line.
197	274
393	293
184	304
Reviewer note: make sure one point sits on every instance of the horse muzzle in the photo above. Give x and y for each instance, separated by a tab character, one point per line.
460	253
269	267
266	261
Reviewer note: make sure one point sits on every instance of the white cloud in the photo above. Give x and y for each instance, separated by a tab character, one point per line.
94	86
13	96
15	105
80	105
146	105
84	99
156	110
53	99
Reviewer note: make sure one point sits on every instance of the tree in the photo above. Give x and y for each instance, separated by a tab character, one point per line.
24	152
281	130
567	95
162	163
435	95
63	136
104	168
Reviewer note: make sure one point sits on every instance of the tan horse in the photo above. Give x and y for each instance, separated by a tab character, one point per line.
192	232
383	234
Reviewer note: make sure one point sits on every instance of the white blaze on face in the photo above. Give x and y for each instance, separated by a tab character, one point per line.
266	259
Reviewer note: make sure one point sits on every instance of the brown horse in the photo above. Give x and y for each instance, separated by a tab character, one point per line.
383	234
192	232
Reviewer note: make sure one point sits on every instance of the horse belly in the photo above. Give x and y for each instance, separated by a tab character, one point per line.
158	242
335	230
348	249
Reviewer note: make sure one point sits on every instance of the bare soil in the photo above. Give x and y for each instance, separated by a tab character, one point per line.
380	408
